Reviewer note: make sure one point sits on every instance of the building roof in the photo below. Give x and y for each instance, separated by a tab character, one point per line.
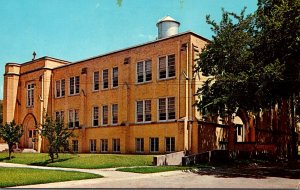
165	19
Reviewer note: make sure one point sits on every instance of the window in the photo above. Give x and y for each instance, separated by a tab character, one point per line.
105	79
93	145
59	116
170	144
115	80
144	71
116	145
60	88
114	114
75	145
166	67
143	111
96	81
30	95
166	108
154	144
95	116
74	85
139	144
104	145
104	115
73	118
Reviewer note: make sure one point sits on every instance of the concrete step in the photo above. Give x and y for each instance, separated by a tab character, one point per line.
28	150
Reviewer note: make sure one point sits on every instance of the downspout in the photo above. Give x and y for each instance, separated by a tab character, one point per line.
187	97
190	75
41	114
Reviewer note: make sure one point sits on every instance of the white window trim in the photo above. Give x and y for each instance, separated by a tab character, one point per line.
60	88
74	118
112	78
116	151
60	114
150	144
167	68
102	85
103	117
170	144
94	115
111	113
94	90
167	110
74	86
144	108
93	151
101	145
77	146
140	146
31	103
144	72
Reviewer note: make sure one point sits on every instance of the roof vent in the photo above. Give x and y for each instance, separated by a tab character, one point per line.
167	26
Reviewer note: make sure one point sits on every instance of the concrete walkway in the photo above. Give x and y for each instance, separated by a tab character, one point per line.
173	179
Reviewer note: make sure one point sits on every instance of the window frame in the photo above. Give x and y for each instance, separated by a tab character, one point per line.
167	67
102	115
61	88
112	114
61	114
167	109
150	144
93	145
116	143
103	145
143	111
171	146
75	145
144	71
30	94
75	85
75	118
139	145
93	116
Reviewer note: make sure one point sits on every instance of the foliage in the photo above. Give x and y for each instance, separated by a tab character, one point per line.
84	161
26	176
11	134
57	135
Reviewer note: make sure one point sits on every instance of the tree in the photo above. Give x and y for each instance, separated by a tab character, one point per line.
11	134
56	134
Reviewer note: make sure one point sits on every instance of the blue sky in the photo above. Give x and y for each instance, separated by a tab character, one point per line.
77	29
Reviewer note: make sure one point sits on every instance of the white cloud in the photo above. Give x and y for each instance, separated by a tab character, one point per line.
147	36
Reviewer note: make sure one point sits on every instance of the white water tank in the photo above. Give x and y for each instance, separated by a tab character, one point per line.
167	26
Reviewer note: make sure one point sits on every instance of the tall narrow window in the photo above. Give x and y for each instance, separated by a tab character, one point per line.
116	145
75	146
166	67
170	144
73	118
59	116
74	85
104	145
154	144
114	115
105	79
115	80
60	88
30	95
93	145
96	81
143	111
144	71
104	115
166	108
95	116
139	144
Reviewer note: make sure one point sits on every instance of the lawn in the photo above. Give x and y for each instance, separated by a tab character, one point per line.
26	176
85	161
154	169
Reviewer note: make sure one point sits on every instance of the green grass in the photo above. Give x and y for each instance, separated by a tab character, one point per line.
154	169
26	176
85	161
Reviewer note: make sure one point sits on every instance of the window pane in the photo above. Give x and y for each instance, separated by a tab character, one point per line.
71	119
115	77
139	112
76	118
77	83
104	145
154	144
162	109
162	68
72	83
105	79
104	115
171	65
147	110
63	87
58	88
96	80
171	108
95	116
140	72
114	113
139	145
148	70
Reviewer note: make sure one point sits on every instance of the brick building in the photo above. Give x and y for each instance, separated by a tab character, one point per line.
135	100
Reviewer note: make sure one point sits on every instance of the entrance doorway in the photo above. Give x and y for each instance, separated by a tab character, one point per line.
29	137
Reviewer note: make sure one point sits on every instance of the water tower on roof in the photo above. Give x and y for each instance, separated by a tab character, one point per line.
167	26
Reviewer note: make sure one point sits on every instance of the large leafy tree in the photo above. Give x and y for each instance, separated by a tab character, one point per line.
57	135
11	134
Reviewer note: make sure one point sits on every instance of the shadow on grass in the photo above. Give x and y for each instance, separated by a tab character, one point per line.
47	162
6	159
250	170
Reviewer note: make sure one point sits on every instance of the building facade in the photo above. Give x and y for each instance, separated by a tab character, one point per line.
136	100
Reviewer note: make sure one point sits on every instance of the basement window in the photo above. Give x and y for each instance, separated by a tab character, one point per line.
170	144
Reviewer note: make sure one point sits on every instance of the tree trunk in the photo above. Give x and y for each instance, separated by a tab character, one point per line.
10	149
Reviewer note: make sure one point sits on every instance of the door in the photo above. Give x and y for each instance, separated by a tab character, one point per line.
31	138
